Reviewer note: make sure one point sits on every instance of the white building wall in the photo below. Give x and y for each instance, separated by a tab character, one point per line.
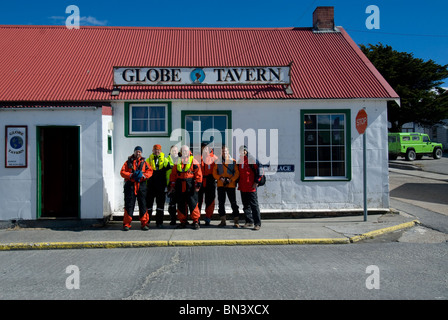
102	185
108	165
284	191
18	187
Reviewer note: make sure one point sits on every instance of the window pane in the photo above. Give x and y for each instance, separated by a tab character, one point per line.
338	122
324	138
310	138
310	122
324	153
310	169
220	123
157	125
311	153
338	169
139	125
337	137
324	169
157	113
188	124
323	122
140	112
338	153
206	122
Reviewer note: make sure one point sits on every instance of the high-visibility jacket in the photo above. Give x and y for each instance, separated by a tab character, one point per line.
162	163
186	169
226	169
159	165
133	164
168	172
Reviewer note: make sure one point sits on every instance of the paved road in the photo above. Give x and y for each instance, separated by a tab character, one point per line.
405	270
408	266
427	164
420	188
428	191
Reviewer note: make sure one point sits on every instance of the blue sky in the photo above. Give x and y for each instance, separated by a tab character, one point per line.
418	27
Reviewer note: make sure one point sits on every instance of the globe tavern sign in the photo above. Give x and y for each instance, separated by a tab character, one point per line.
137	76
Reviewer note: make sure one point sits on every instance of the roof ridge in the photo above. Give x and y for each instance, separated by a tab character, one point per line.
149	27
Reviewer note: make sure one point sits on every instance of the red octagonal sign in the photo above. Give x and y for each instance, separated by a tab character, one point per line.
361	121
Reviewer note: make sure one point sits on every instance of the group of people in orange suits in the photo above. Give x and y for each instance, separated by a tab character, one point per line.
189	182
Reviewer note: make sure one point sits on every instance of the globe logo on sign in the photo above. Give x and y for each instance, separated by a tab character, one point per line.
197	75
16	142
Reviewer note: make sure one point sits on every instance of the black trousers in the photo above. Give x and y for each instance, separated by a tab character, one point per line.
209	191
250	207
231	194
158	194
172	206
129	202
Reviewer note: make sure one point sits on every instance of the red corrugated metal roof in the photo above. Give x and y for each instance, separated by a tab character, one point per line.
53	63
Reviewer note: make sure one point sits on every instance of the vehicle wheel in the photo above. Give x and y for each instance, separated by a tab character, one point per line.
437	153
411	155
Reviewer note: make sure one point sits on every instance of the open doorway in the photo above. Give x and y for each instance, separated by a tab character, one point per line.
58	172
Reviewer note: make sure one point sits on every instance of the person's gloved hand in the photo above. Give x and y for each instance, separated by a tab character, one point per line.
137	175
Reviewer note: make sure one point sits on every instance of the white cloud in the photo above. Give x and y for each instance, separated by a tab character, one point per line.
92	21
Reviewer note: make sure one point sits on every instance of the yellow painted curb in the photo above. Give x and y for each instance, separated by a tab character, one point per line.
174	243
378	232
320	241
82	245
187	243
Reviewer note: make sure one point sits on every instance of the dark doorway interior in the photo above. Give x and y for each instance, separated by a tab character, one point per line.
59	172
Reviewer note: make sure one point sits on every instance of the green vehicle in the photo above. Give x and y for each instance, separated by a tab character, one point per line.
413	145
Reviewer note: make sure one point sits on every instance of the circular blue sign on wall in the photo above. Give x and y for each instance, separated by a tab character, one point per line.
16	142
197	75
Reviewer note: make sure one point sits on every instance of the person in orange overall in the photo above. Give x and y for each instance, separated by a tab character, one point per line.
208	188
186	180
226	173
135	172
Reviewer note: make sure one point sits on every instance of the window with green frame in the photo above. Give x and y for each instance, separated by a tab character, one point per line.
198	122
147	119
325	137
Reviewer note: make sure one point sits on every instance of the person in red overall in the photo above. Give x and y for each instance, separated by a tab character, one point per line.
186	180
208	188
135	172
249	170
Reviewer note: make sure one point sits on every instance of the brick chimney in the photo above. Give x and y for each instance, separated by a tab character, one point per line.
323	19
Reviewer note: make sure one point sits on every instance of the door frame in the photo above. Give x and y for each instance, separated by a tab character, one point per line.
39	170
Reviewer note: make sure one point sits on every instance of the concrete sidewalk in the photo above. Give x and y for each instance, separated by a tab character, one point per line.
331	230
